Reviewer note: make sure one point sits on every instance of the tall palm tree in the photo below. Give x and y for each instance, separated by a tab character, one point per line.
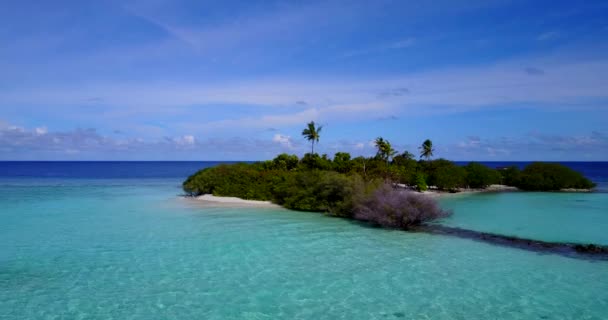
385	150
312	134
426	149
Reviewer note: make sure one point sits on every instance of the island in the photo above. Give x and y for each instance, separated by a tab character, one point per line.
388	189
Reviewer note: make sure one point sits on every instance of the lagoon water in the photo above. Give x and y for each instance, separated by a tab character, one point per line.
561	217
113	241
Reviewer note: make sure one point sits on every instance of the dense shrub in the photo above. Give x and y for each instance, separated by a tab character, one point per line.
399	209
510	176
421	182
480	176
449	178
404	169
402	158
322	191
377	168
541	176
285	161
444	174
359	165
342	162
312	161
238	180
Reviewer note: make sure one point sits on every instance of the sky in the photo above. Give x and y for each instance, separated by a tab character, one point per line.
491	80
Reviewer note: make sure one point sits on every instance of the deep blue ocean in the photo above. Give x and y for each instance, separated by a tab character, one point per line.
114	240
102	169
596	171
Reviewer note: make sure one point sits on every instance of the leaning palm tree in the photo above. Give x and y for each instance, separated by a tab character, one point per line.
426	149
385	150
311	133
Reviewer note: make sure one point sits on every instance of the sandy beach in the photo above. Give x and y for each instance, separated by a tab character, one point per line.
234	201
489	189
238	202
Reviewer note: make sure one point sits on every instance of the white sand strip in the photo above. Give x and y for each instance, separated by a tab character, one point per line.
490	189
234	201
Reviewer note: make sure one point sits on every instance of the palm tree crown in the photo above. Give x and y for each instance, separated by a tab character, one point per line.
385	150
312	134
426	149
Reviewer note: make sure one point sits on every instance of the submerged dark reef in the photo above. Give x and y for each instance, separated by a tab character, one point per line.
572	250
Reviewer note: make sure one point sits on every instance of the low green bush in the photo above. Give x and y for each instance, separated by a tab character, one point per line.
510	176
285	161
312	161
342	162
421	182
480	176
238	180
322	191
445	174
540	176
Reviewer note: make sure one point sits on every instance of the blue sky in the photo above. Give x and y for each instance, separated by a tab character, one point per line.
238	80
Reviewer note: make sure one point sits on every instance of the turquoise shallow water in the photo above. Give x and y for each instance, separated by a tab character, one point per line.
563	217
120	249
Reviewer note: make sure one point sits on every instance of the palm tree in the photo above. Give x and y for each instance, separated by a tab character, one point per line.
385	150
311	133
408	155
426	149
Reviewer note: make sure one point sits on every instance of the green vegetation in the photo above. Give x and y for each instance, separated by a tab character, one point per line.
259	181
385	149
540	176
480	176
421	183
247	181
510	176
353	187
447	176
321	191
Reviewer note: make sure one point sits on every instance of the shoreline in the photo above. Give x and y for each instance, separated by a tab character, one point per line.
234	201
240	203
495	188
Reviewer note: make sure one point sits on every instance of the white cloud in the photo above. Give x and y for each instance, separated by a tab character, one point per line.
23	141
564	83
341	112
15	128
442	91
185	140
400	44
18	143
532	146
41	130
280	23
283	140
